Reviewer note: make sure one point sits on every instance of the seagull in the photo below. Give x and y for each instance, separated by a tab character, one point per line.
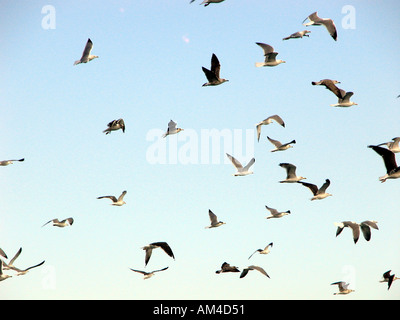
279	146
317	21
62	223
172	129
270	56
392	145
387	277
3	254
290	173
318	193
213	74
267	121
207	2
241	171
7	162
116	202
148	275
263	251
299	34
214	220
276	214
389	159
10	265
115	125
330	85
365	228
226	267
2	275
149	248
345	102
246	270
86	56
342	287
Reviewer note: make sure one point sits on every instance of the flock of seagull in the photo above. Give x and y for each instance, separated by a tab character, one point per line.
386	150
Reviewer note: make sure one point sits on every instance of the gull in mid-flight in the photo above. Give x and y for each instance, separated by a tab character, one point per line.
241	171
389	159
267	121
226	267
7	162
172	129
214	220
149	249
213	74
276	214
330	85
62	223
266	250
389	278
299	34
392	145
343	287
365	228
207	2
291	176
10	265
148	275
280	146
246	270
115	125
345	101
116	202
270	56
86	56
327	23
318	193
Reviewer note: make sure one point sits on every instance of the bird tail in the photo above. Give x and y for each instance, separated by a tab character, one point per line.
259	64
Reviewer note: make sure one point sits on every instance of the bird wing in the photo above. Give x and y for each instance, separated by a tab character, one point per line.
290	169
122	195
258	250
355	227
3	254
114	199
139	271
366	231
258	127
251	162
213	217
332	87
313	17
209	75
88	48
272	210
266	47
276	143
11	262
387	156
278	119
235	162
312	187
324	186
165	247
148	255
271	56
244	272
347	96
53	220
171	125
161	269
37	265
215	65
70	221
259	269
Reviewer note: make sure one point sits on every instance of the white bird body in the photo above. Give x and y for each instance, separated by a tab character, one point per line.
276	214
116	202
270	56
241	171
172	129
343	287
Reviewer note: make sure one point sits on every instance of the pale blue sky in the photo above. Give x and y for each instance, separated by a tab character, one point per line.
148	72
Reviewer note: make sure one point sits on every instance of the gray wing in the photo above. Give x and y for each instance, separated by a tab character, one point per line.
235	162
114	199
290	169
324	186
266	47
86	51
278	119
122	195
15	257
312	187
3	254
259	269
276	143
165	247
215	65
37	265
213	217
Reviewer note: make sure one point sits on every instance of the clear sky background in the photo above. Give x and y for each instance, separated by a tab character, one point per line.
148	72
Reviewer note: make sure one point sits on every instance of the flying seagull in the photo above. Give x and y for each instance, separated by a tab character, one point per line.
345	101
115	201
246	270
241	171
270	56
392	145
267	121
318	193
389	278
330	85
279	146
343	287
207	2
149	249
276	214
317	21
7	162
299	34
115	125
226	267
214	220
62	223
10	265
86	56
365	228
172	129
290	173
266	250
389	159
148	275
213	74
